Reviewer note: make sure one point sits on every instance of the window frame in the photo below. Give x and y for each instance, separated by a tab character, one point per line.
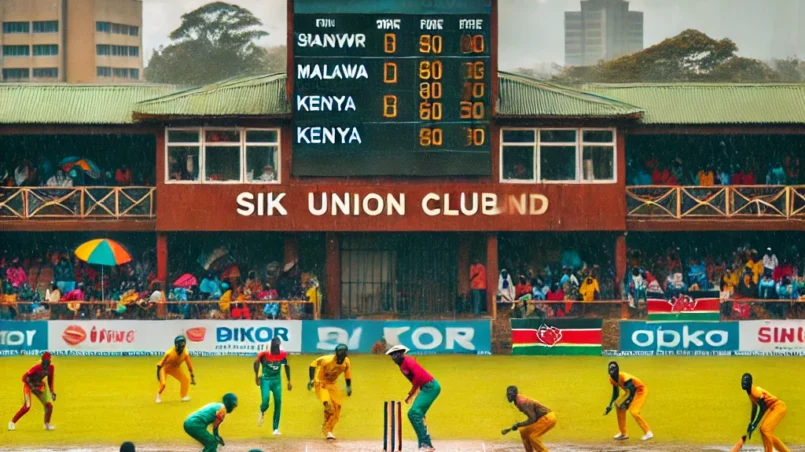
16	22
42	24
579	144
242	144
33	72
49	46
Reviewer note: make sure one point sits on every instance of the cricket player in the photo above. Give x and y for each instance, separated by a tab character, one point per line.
540	420
767	411
424	387
635	399
171	363
213	413
271	383
323	374
38	381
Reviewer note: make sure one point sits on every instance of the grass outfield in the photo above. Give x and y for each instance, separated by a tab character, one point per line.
692	401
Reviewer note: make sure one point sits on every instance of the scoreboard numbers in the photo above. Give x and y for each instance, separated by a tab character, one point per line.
418	74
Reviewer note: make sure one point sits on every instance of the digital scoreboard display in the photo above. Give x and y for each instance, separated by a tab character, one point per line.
392	87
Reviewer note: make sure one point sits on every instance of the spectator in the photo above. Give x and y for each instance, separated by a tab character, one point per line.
313	294
776	175
16	275
252	285
123	176
64	275
538	289
477	286
589	289
706	177
53	295
555	293
210	287
60	180
791	167
787	289
505	288
766	288
226	298
770	262
128	446
747	287
268	174
727	284
523	287
723	176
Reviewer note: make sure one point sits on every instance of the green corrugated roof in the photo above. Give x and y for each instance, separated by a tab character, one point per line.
522	96
262	95
26	103
699	103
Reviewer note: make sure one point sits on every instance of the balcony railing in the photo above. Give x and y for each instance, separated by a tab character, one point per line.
98	203
721	201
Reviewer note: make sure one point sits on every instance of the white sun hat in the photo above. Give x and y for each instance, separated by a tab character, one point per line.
397	348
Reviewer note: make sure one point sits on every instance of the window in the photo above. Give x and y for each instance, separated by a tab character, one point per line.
120	29
47	26
134	74
558	155
16	27
16	51
116	28
16	74
103	27
103	49
220	155
102	71
120	72
47	72
134	51
46	50
134	30
114	50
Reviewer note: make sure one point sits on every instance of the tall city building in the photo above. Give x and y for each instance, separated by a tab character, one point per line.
73	41
602	30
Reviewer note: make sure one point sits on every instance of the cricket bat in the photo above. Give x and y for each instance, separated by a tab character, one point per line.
737	447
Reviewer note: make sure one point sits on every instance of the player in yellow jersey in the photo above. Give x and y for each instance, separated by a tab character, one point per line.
540	420
323	374
171	364
635	399
767	411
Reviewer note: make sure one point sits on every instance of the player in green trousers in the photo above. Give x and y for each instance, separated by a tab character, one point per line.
198	422
271	382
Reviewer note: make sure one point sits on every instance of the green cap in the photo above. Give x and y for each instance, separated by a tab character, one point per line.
230	400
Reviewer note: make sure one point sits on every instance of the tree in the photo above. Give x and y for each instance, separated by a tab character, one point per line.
276	59
690	56
214	42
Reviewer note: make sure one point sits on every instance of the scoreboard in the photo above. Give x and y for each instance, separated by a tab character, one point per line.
392	87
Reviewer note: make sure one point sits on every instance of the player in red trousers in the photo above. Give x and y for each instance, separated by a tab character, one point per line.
38	381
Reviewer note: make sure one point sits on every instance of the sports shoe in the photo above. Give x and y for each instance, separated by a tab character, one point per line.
159	399
330	436
647	436
49	427
426	449
260	419
620	437
277	433
185	399
11	426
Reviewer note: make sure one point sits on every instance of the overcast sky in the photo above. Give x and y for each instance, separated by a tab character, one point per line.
532	31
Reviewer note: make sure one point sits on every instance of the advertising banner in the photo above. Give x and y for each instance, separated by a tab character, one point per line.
556	336
422	337
145	337
679	338
19	337
773	337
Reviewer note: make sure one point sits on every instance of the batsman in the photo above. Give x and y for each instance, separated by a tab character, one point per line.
424	387
198	422
271	383
323	375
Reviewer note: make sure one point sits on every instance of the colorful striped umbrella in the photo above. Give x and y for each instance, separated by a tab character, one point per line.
93	170
103	252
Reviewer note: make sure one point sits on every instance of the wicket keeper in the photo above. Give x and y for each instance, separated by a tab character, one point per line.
213	413
323	374
540	420
635	399
38	381
171	364
271	383
424	387
767	411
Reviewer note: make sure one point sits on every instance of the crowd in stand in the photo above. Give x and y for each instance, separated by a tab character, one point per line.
53	284
656	171
74	173
571	279
745	274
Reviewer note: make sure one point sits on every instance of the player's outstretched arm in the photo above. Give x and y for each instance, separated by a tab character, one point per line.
256	367
612	400
190	369
311	373
288	374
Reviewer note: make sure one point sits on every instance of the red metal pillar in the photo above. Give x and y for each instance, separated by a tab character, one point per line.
332	299
620	263
492	273
463	265
162	258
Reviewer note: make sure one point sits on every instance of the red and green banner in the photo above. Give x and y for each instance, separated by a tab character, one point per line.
684	308
556	336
